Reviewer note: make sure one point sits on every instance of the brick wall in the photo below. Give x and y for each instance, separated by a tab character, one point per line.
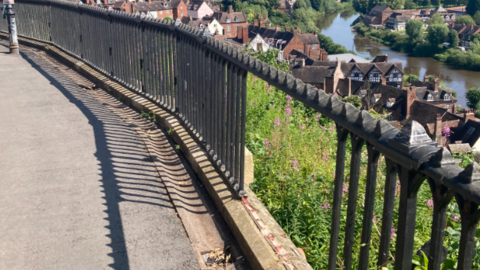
230	29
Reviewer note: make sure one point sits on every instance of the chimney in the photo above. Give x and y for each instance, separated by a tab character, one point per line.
436	83
315	33
383	80
425	78
411	95
262	22
323	55
349	86
288	28
239	32
245	35
255	22
469	115
438	129
230	9
302	63
295	30
278	29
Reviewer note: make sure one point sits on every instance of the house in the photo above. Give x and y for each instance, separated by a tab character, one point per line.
465	33
468	132
159	9
230	21
432	93
286	41
377	15
398	21
286	5
199	9
209	22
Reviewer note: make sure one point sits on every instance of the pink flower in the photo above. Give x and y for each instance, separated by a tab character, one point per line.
332	128
255	79
429	203
344	189
288	98
288	111
295	164
392	233
374	219
455	218
325	157
277	122
446	132
266	143
325	206
318	116
302	127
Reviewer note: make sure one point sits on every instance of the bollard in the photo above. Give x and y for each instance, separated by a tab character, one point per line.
12	27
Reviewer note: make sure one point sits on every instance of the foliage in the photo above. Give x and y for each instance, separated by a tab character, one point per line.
331	47
168	19
473	6
453	38
436	18
473	98
466	19
466	158
476	17
409	78
270	57
468	60
409	4
436	35
414	29
356	101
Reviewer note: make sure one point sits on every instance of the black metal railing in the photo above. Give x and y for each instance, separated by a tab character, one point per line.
203	80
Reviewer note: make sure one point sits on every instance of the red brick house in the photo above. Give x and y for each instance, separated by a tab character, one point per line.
159	9
377	15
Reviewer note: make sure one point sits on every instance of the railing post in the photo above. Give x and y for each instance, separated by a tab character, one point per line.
12	27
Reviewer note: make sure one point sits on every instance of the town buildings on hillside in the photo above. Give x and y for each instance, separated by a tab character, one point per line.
173	9
381	16
465	33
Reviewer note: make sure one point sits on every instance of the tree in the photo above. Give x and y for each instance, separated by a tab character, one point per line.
475	37
414	29
473	6
437	33
473	98
476	17
466	19
409	4
435	19
453	38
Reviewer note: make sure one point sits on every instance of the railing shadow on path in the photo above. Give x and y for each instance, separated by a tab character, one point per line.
118	151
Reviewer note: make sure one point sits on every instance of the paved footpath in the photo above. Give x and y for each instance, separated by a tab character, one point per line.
77	187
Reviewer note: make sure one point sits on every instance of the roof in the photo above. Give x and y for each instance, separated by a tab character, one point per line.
423	89
312	74
440	9
270	34
347	57
403	18
468	133
379	8
384	67
223	17
309	38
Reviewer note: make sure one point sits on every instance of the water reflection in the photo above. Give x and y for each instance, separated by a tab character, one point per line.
337	26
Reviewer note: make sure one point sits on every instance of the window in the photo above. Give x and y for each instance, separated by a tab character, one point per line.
471	130
390	117
447	106
168	12
375	77
237	20
215	25
161	12
182	14
228	28
228	21
447	96
314	46
181	7
429	97
389	104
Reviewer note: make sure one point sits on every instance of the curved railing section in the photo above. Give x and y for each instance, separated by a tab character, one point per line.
203	81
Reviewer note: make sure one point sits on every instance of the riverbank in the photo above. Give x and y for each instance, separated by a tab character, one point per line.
399	41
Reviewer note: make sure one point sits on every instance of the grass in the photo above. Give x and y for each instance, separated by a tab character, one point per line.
294	152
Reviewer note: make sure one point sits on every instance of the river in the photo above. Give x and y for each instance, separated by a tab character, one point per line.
337	26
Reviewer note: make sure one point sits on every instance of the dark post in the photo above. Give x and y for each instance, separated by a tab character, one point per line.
12	27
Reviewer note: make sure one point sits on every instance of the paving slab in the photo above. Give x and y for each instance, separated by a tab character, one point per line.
78	189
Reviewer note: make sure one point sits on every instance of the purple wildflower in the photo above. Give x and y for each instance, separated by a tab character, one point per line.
332	128
295	164
288	98
455	218
302	127
325	206
288	111
429	203
392	233
446	132
277	122
318	116
255	79
266	143
344	189
325	157
374	219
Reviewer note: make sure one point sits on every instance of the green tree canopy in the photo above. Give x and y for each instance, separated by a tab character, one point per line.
409	4
437	33
473	6
453	38
435	19
466	19
476	17
473	98
414	29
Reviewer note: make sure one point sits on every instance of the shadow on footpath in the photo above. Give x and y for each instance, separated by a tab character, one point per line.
118	150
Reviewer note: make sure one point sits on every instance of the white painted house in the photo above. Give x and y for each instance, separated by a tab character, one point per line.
258	43
198	10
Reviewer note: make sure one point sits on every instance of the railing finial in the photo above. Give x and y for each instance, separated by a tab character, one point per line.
471	173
